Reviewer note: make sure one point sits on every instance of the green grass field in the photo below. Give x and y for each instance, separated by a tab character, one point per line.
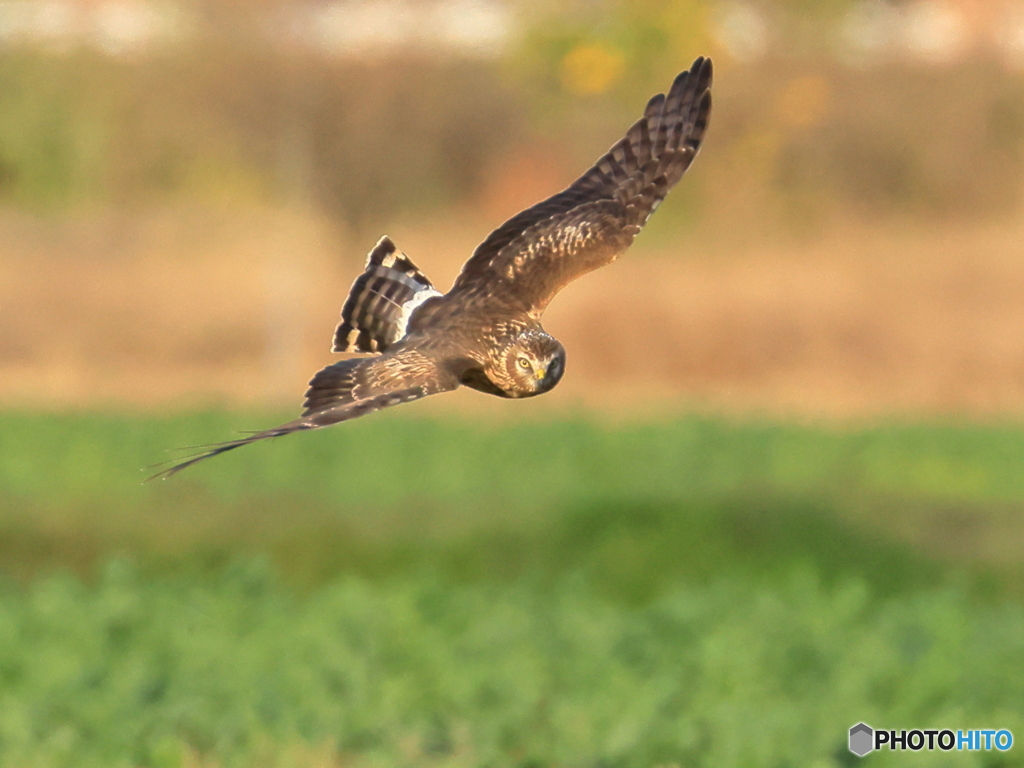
404	592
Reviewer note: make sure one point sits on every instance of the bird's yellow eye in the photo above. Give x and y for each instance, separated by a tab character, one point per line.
524	363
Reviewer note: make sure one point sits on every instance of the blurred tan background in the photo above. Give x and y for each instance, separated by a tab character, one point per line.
187	189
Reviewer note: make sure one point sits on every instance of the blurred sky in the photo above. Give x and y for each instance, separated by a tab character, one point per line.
187	190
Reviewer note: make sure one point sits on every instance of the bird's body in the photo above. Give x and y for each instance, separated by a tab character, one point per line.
485	333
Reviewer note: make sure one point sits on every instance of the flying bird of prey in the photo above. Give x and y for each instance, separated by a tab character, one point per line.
486	333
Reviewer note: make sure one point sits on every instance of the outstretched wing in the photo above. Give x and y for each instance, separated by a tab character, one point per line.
347	390
533	255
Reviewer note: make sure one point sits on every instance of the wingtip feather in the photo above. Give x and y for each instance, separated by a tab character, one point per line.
704	72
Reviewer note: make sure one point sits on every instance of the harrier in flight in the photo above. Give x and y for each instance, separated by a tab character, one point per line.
485	333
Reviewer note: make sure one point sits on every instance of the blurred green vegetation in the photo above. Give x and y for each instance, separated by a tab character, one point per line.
383	489
404	591
415	669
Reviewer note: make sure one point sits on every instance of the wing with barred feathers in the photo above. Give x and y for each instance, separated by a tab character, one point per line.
533	255
347	390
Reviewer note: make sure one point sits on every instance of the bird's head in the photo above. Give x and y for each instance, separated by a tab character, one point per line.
530	365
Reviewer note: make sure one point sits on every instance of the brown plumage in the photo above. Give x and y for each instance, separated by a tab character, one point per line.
485	333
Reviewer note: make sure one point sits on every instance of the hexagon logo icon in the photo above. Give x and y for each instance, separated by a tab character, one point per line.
861	739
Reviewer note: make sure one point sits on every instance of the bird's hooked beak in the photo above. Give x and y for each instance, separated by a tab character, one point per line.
540	374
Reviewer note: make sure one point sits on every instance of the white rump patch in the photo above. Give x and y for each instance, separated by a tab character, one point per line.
402	323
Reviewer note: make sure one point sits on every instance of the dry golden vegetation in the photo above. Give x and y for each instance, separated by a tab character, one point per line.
191	306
